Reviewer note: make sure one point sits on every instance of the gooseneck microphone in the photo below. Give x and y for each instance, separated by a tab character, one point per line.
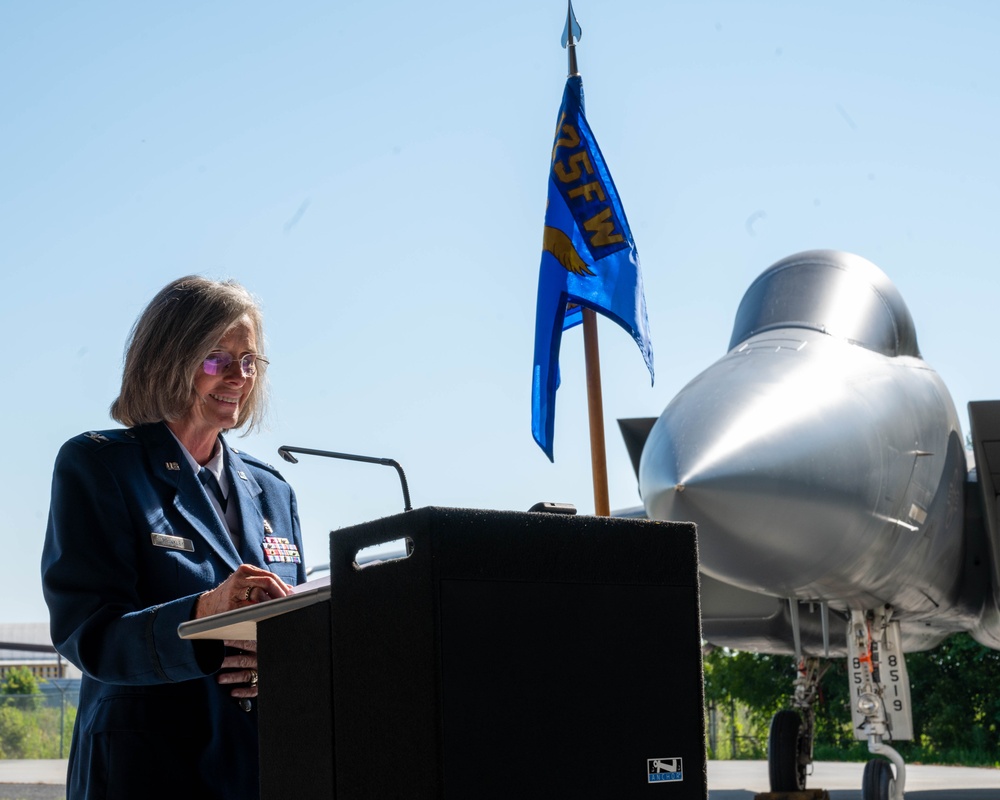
285	451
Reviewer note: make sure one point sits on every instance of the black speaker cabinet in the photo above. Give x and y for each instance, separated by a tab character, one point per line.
509	655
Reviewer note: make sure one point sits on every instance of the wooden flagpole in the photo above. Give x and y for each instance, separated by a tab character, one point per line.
595	408
591	353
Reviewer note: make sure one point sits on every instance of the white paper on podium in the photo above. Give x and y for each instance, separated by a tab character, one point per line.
308	586
241	623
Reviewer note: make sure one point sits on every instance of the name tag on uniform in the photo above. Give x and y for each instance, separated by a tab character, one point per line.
172	542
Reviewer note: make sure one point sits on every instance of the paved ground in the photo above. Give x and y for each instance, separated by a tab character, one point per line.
32	780
727	780
741	780
31	791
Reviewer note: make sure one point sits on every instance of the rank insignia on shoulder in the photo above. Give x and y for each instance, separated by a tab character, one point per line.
280	550
97	437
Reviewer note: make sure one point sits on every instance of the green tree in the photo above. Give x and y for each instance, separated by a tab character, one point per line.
14	732
759	681
956	707
20	696
20	688
20	680
29	728
745	689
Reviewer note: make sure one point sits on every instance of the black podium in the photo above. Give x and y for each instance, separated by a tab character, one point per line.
510	655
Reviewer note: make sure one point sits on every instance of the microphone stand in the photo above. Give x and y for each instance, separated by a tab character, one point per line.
285	451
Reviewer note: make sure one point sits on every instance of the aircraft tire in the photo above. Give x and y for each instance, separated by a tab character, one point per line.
876	784
784	770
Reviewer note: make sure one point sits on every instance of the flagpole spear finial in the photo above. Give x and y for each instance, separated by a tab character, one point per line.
571	35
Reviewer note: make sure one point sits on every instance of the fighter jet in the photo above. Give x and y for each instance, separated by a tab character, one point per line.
823	462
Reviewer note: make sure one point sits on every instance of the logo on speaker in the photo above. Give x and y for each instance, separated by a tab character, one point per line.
665	769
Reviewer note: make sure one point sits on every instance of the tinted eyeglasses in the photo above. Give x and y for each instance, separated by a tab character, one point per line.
218	362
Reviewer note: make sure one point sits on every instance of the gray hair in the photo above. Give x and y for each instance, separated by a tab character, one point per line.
168	342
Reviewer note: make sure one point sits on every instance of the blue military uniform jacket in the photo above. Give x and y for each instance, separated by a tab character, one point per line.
132	540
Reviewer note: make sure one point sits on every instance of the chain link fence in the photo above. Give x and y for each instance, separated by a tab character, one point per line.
34	726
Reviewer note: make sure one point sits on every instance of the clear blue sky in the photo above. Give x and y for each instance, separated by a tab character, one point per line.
376	174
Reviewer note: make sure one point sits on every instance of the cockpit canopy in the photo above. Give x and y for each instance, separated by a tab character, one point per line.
837	293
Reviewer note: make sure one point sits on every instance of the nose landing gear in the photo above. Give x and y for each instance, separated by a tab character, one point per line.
881	711
879	678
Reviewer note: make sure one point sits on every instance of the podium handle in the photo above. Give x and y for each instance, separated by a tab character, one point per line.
374	555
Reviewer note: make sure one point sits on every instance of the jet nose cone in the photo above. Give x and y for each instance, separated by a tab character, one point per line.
775	466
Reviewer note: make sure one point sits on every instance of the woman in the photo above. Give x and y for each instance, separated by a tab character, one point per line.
162	522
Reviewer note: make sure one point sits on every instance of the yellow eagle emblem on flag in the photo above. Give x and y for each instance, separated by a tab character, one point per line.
557	243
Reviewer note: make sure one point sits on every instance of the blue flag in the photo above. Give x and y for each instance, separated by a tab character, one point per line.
588	258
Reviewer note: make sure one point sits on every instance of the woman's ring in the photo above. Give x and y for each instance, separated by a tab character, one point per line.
253	677
247	595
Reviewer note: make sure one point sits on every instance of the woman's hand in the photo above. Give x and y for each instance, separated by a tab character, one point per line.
246	586
239	668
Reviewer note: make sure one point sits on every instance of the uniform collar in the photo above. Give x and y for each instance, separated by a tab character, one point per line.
215	465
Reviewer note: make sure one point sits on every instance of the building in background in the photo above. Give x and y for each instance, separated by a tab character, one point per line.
27	644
